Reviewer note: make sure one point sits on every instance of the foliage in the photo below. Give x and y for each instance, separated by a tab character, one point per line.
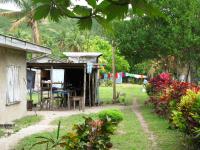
187	115
102	12
143	38
98	44
107	83
114	114
165	93
179	101
90	135
24	16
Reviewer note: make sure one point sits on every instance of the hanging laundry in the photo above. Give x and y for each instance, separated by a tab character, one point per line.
105	76
123	74
89	68
117	75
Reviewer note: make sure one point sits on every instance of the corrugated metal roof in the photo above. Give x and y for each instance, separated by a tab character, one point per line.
12	42
50	59
82	54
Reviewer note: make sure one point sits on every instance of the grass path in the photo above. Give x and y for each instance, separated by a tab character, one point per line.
144	125
10	142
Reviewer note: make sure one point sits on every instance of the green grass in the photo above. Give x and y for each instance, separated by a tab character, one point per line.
26	121
129	135
131	90
22	123
167	139
1	132
34	98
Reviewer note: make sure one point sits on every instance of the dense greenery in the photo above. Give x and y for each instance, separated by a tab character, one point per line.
174	40
70	39
92	134
177	101
91	10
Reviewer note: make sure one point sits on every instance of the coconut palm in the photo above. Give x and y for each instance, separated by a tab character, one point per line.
24	16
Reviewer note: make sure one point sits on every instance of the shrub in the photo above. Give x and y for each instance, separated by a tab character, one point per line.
113	114
187	115
108	83
165	93
90	135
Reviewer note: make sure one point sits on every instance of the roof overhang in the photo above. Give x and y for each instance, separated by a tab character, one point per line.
56	65
82	54
11	42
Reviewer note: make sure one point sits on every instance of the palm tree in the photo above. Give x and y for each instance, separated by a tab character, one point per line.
24	16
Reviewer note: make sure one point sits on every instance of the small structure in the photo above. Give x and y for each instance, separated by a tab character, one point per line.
77	74
13	76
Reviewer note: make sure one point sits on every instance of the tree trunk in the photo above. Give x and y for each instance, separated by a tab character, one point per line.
183	72
114	72
35	32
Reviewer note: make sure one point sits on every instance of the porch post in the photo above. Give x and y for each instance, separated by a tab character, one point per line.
31	96
51	89
84	89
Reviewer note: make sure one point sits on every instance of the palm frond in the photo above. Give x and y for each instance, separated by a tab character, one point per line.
17	23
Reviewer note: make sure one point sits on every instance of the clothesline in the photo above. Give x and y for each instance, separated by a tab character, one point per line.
123	75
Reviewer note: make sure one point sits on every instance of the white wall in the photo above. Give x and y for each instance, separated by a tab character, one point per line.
58	76
18	58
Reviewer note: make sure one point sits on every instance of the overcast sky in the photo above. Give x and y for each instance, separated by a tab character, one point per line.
9	6
12	6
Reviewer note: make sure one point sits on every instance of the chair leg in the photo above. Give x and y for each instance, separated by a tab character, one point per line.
74	105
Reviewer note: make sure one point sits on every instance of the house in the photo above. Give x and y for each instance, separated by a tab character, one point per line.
13	76
78	72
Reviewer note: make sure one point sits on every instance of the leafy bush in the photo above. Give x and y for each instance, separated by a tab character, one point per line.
108	83
165	93
90	135
113	114
187	115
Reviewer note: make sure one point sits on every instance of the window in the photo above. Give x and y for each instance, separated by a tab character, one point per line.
13	84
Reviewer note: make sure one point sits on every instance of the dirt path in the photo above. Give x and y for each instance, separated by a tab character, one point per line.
144	126
8	143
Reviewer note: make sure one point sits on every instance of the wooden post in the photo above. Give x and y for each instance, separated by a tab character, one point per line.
41	86
84	89
31	96
114	72
89	90
93	88
51	89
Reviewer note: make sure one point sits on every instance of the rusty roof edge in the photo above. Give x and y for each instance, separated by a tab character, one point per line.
8	41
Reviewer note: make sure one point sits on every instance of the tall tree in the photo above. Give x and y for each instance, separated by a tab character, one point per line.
24	16
178	35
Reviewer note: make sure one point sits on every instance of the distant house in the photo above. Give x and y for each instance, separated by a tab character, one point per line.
13	76
78	72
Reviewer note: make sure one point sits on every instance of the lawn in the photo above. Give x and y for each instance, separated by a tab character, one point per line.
22	123
129	135
26	121
1	132
130	90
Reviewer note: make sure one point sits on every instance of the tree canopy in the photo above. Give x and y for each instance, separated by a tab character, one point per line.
87	11
178	35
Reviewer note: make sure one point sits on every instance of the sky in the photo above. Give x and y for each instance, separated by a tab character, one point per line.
12	6
9	6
